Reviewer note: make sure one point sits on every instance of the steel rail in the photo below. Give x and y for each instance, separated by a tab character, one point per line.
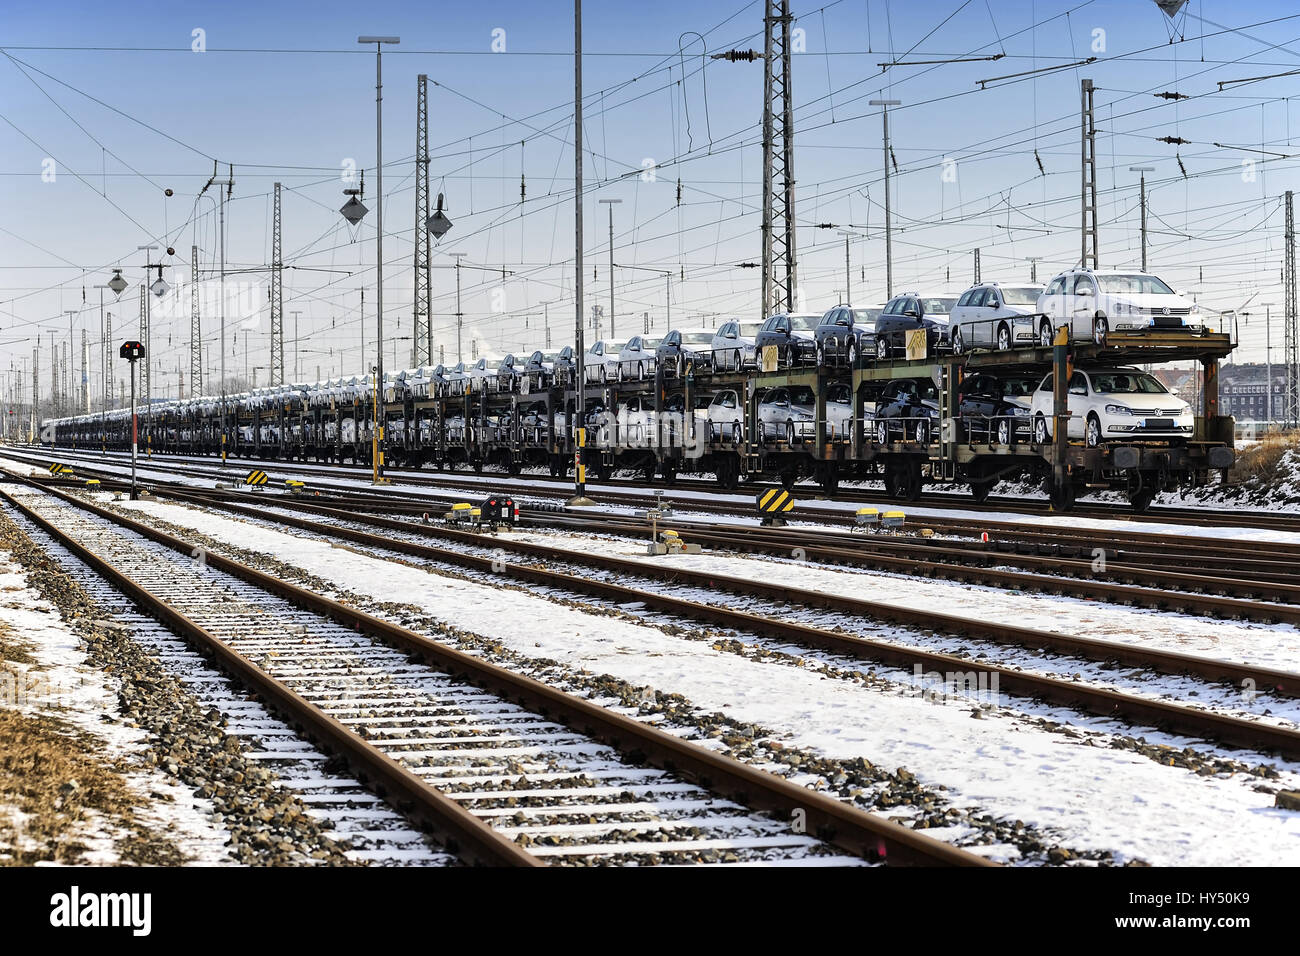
1179	517
1160	714
467	835
827	819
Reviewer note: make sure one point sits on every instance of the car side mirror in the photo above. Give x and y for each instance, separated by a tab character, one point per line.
1083	291
1078	390
912	313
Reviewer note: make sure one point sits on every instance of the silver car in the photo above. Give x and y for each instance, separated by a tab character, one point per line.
733	345
993	316
788	413
600	363
636	362
726	416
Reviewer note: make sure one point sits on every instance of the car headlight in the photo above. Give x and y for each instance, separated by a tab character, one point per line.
1118	410
1017	411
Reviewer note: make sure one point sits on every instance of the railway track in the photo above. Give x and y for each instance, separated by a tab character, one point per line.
1230	557
412	540
375	832
510	771
1262	584
692	488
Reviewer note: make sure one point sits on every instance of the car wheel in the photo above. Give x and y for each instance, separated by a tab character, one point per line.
851	353
1004	339
679	366
1004	431
882	432
738	360
821	356
923	431
789	432
735	433
1040	430
622	375
882	349
640	371
1100	329
1045	335
1092	431
958	341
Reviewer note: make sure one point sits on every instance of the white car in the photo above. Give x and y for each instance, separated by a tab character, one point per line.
733	344
726	416
600	362
994	316
1094	303
636	422
636	361
1113	404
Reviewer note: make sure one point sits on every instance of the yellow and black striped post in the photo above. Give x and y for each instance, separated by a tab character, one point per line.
256	478
773	505
294	485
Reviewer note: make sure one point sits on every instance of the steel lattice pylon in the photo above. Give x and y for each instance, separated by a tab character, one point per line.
1088	257
146	398
779	278
422	341
1291	403
277	295
196	327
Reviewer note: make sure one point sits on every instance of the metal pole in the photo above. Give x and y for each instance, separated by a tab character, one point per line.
578	428
460	321
1142	205
889	239
297	375
1268	361
611	203
134	432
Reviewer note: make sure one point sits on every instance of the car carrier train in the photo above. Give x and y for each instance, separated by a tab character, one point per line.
1076	415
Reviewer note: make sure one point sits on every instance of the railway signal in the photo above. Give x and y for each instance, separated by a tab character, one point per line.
133	352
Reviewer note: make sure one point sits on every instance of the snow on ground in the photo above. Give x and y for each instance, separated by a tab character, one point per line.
1093	797
60	684
1275	646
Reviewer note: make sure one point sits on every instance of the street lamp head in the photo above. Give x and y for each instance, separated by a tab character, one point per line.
354	210
117	283
884	102
438	223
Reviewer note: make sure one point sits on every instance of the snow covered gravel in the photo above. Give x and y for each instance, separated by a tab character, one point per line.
1095	797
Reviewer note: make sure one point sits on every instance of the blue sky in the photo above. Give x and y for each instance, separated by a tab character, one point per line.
280	113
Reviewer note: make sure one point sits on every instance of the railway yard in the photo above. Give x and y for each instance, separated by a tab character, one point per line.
899	544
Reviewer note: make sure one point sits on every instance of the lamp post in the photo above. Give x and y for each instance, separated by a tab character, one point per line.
377	440
1142	200
889	246
611	203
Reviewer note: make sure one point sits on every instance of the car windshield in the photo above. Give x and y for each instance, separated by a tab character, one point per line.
615	346
801	395
866	316
550	356
937	305
749	329
697	338
1021	295
1133	285
649	345
1132	383
804	322
1017	387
